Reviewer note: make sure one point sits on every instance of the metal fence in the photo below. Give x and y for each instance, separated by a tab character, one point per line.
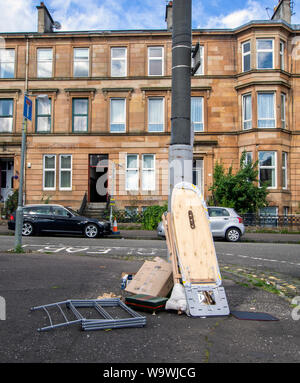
288	221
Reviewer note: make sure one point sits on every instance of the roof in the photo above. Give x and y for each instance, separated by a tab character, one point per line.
292	27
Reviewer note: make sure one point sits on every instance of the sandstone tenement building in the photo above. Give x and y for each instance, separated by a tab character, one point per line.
109	99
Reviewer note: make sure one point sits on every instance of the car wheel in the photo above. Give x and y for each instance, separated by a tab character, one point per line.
91	230
27	229
233	234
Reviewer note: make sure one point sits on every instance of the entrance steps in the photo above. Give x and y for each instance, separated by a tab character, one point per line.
94	210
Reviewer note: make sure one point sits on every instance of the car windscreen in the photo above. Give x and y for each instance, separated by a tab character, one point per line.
73	211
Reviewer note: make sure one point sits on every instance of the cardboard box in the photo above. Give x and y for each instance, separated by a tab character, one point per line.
153	278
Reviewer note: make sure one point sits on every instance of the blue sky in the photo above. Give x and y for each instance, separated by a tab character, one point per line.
21	15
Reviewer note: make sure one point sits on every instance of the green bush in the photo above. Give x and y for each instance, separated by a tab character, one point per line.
152	216
11	203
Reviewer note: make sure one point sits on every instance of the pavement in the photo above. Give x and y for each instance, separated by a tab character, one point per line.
32	279
151	234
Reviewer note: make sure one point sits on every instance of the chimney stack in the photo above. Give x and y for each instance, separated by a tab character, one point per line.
45	21
169	15
283	11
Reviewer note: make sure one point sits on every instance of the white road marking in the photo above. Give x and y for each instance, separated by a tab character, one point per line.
260	259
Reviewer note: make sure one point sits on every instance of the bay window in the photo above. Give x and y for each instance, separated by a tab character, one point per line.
267	168
246	56
265	53
266	110
247	111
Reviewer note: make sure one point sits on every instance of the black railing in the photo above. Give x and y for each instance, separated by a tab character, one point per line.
271	220
83	204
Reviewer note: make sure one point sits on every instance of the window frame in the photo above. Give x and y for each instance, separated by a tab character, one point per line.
149	170
283	110
246	54
8	116
156	59
70	170
282	54
42	115
151	98
200	70
264	51
43	61
202	114
127	170
80	115
284	170
118	59
274	110
81	60
268	167
52	170
110	115
244	121
8	62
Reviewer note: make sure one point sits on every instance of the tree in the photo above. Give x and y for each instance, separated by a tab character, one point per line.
239	191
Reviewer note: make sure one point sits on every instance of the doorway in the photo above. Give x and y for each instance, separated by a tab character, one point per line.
98	177
6	178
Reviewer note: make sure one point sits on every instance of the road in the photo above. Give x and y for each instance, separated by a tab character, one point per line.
34	279
279	258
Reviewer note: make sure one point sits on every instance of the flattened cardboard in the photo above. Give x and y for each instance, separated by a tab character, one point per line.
153	278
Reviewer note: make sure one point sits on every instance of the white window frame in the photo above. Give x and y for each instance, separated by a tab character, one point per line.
281	54
268	167
65	170
8	62
39	62
81	60
246	54
274	110
202	115
118	59
199	170
163	114
11	117
266	51
144	170
156	59
127	170
49	170
283	110
249	156
284	166
200	70
38	116
244	122
117	122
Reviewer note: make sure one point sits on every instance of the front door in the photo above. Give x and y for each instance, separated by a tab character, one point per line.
6	178
98	177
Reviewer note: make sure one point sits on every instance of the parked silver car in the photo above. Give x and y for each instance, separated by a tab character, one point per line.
224	223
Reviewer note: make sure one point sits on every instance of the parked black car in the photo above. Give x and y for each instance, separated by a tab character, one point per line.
48	218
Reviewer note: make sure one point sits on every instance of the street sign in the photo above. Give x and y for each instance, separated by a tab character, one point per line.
27	108
196	59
